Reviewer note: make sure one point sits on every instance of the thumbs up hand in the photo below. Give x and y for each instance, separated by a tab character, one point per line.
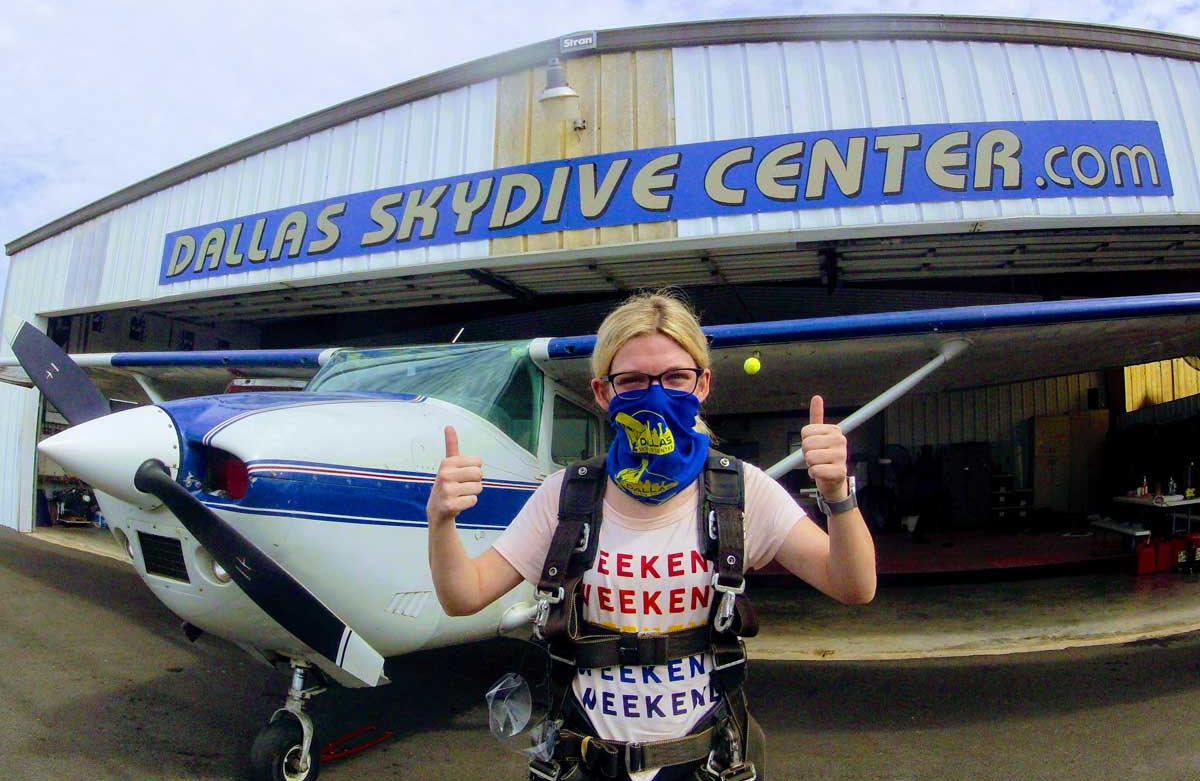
825	452
458	483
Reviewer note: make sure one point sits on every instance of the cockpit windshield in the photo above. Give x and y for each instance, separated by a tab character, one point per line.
495	380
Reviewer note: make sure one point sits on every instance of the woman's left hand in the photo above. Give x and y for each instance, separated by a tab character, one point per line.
824	447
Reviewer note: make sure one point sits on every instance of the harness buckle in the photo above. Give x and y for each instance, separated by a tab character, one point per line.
628	649
544	771
587	537
744	772
560	659
718	667
737	769
712	521
544	600
551	597
726	609
632	749
642	648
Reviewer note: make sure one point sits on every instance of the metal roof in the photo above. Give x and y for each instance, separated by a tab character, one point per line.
792	28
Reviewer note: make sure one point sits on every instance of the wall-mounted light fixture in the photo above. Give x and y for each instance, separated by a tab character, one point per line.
559	102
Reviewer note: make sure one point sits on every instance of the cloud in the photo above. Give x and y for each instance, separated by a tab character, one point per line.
102	95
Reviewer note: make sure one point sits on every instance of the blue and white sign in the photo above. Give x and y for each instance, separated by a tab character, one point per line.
913	164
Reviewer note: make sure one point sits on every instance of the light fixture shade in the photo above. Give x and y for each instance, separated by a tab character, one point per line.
560	104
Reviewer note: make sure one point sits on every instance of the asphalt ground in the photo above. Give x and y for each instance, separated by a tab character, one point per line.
98	682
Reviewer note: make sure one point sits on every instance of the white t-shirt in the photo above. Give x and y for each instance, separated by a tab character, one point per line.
648	576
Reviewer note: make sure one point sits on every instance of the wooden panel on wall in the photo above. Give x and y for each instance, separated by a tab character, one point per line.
1187	379
655	112
627	100
1158	382
513	99
984	414
584	76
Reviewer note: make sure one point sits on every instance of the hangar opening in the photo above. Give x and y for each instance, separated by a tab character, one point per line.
971	476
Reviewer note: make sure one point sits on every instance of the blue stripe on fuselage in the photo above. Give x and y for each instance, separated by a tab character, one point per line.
383	500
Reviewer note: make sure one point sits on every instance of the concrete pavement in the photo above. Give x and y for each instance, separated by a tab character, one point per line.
99	682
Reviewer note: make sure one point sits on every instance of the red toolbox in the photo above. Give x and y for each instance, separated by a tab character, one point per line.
1164	557
1144	559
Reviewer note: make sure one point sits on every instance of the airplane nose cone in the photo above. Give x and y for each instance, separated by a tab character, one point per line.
105	452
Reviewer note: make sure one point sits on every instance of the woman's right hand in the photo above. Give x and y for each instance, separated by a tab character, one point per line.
458	484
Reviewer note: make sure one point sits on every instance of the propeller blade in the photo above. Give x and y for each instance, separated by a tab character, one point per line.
60	379
270	586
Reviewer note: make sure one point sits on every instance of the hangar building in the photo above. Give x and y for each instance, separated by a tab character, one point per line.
773	168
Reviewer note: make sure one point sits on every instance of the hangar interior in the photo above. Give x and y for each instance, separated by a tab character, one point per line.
1003	473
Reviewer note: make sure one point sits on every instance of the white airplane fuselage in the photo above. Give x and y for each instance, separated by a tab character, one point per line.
336	492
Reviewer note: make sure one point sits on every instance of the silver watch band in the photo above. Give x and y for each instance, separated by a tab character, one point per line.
841	505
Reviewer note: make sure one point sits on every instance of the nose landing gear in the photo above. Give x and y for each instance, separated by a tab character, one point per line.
283	750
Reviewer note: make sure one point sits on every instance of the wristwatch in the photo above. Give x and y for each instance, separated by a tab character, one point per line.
841	505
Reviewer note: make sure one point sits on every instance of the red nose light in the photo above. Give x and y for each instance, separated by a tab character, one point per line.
229	475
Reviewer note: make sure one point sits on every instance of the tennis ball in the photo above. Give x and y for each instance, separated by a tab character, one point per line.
751	365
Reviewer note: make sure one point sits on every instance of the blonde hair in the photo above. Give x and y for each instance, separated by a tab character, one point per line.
664	311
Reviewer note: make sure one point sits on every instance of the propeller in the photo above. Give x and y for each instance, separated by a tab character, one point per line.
269	585
60	379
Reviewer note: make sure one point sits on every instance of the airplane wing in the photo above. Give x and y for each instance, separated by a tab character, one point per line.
851	359
173	375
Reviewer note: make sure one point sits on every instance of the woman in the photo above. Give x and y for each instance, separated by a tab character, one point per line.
651	372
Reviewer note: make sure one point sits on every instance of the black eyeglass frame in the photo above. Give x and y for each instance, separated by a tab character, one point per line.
634	395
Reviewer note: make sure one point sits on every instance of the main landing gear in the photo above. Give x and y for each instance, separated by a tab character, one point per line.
283	750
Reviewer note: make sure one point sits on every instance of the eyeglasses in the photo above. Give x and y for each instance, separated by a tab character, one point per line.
631	386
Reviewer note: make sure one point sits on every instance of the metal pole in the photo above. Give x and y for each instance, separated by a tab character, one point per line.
949	350
149	387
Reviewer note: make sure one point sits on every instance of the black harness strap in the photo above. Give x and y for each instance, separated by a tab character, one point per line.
723	516
722	520
560	616
572	550
611	757
609	649
580	513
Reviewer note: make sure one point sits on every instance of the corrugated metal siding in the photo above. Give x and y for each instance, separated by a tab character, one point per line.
742	90
114	259
1147	384
990	414
18	417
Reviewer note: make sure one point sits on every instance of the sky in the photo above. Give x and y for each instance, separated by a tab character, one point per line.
99	96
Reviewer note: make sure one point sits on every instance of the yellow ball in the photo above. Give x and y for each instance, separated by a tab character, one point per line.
751	365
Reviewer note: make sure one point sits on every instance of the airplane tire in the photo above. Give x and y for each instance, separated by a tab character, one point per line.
276	751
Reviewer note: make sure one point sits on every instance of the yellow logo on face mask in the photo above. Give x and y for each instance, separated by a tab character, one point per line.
655	441
632	481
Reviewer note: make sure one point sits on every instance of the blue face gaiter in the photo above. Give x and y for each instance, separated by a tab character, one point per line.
656	452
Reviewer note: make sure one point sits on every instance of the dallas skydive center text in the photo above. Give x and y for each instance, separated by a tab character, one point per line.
914	164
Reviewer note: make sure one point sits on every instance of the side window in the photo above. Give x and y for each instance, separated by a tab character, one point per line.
575	432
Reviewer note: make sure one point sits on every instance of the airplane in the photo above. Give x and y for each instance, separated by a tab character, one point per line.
292	523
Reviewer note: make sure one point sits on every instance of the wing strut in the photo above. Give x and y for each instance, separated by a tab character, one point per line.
949	350
149	387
